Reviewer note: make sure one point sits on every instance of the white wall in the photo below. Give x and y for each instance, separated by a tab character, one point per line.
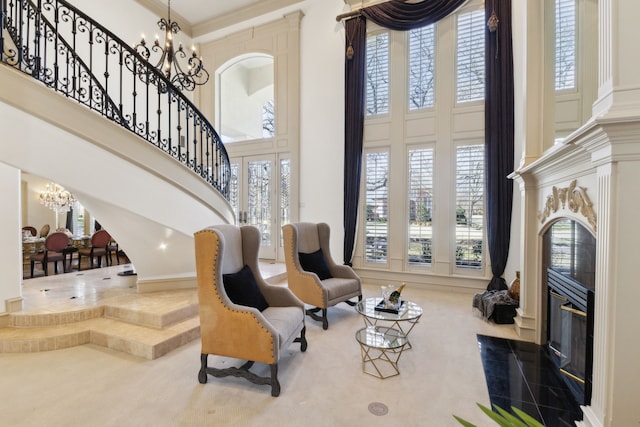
11	250
110	171
321	109
322	118
127	19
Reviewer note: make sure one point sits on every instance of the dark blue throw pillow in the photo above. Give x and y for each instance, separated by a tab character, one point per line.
242	289
315	263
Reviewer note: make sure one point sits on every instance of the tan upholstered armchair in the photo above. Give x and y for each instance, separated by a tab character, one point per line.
311	272
269	320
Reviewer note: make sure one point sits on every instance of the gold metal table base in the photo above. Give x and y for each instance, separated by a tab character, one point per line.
381	348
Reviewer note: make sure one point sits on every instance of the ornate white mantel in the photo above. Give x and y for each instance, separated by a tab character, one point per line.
596	172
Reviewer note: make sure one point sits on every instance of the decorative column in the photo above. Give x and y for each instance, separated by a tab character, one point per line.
617	154
527	320
529	98
619	66
615	149
529	84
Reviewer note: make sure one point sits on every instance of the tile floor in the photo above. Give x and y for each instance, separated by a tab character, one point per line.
521	374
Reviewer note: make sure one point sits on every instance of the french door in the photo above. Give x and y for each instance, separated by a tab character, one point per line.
254	197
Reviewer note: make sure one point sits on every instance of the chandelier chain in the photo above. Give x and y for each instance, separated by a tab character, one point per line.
168	58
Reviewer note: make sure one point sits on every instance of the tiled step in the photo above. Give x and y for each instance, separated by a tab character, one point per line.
141	341
146	325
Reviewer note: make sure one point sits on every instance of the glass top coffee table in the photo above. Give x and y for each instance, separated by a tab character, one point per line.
381	348
409	315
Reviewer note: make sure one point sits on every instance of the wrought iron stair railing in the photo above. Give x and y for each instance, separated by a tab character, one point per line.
68	51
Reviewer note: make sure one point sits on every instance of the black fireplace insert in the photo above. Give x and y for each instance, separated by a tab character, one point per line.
569	266
570	332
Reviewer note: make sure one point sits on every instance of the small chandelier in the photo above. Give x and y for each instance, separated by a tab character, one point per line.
195	75
57	198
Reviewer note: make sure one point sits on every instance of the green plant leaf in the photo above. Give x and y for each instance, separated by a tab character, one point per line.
503	418
464	422
496	417
531	422
513	420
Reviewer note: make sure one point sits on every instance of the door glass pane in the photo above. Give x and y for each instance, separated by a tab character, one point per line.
259	197
234	195
285	192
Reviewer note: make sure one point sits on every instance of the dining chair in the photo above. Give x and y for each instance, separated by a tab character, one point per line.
54	246
30	229
44	231
99	243
113	248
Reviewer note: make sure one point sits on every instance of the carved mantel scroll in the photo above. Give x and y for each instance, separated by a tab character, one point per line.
573	198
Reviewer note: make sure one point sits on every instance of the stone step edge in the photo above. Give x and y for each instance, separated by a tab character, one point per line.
141	341
135	317
151	320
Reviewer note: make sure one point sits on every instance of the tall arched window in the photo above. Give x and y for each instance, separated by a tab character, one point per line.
246	98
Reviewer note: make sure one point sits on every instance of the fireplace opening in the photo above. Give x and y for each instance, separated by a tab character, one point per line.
569	258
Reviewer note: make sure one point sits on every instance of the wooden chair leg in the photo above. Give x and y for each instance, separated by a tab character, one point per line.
275	384
202	374
311	312
302	339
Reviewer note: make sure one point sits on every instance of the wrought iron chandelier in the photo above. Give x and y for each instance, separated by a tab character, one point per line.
195	75
57	198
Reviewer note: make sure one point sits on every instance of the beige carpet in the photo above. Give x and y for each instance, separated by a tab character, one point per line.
93	386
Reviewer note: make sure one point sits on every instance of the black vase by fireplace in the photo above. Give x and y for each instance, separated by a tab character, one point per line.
570	275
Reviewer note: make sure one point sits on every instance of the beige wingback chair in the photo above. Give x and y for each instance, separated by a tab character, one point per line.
240	331
310	287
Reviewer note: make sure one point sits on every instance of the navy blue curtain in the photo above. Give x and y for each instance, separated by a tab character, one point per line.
69	222
401	16
395	15
354	77
499	138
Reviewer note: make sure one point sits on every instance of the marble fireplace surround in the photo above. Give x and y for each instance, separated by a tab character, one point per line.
593	177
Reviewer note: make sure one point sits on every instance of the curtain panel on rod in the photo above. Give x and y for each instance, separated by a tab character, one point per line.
354	76
499	116
395	15
499	138
401	16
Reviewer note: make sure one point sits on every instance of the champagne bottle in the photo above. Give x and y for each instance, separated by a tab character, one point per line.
395	295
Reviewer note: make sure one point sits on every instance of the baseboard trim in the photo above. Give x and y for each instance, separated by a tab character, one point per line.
13	305
590	419
525	326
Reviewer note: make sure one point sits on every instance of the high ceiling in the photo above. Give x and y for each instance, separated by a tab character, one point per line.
197	11
197	17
